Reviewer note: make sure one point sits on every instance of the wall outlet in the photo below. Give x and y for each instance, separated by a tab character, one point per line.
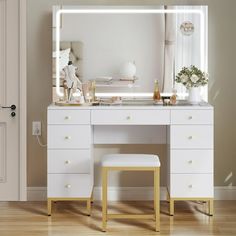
36	128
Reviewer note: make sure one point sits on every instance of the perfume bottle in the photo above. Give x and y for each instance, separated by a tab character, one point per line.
156	93
173	98
93	91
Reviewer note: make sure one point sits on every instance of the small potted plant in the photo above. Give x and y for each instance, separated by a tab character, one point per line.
192	78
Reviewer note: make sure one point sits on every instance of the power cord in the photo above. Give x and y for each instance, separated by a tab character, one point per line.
39	142
38	139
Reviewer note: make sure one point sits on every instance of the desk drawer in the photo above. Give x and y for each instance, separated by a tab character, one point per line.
130	117
69	161
191	161
191	185
69	136
69	185
191	136
68	117
186	117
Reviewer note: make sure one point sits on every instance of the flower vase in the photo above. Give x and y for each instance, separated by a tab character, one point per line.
194	95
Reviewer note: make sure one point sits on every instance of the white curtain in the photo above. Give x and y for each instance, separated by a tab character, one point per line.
169	51
187	48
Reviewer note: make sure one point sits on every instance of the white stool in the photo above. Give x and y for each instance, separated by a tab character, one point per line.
131	162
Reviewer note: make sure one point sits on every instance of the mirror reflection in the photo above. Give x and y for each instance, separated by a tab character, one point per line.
127	53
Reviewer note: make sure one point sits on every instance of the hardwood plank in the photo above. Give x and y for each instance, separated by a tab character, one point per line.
70	219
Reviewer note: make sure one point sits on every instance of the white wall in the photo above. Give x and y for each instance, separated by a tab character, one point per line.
222	35
110	40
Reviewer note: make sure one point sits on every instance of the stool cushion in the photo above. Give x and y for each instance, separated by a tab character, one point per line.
131	160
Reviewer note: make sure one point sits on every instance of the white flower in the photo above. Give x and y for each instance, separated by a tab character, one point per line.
188	85
206	75
194	78
184	78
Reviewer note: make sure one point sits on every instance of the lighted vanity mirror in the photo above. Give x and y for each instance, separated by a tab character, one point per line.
125	49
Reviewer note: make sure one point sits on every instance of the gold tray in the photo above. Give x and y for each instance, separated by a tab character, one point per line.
63	103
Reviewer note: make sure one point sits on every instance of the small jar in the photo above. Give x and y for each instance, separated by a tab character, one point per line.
173	98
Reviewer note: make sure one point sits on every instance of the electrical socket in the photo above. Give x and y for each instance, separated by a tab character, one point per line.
36	128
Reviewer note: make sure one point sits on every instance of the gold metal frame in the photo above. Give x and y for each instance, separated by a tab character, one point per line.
88	200
172	201
155	216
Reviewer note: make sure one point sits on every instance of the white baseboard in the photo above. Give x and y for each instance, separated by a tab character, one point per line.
225	192
131	193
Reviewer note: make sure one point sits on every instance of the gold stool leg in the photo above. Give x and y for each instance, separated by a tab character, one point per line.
172	207
89	206
104	199
157	198
211	207
49	207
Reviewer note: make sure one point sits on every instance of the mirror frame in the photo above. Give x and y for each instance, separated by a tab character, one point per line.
125	11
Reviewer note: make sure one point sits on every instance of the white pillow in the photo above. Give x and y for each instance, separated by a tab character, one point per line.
64	58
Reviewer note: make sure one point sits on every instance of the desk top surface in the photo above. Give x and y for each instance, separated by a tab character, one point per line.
180	106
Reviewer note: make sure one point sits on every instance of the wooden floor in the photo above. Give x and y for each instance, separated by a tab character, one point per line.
69	218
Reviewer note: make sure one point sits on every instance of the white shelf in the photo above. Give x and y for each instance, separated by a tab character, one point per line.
117	84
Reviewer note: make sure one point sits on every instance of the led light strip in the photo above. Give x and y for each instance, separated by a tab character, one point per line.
122	11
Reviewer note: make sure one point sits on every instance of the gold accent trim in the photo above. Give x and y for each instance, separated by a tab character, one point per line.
211	207
49	207
119	168
204	199
89	206
155	216
92	197
56	199
69	199
172	207
157	198
65	104
131	216
191	199
104	199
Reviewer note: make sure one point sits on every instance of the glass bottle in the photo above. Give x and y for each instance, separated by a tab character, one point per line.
93	91
156	93
173	98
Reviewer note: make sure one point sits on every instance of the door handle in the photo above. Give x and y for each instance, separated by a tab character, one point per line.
12	107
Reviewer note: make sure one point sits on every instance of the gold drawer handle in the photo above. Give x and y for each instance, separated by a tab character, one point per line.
67	117
67	137
190	186
67	186
190	137
128	118
190	162
67	162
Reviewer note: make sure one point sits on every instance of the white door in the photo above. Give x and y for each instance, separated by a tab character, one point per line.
9	95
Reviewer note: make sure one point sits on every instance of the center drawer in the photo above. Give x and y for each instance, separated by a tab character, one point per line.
69	136
130	117
69	185
69	161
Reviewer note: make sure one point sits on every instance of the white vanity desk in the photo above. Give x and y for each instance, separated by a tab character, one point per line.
187	130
